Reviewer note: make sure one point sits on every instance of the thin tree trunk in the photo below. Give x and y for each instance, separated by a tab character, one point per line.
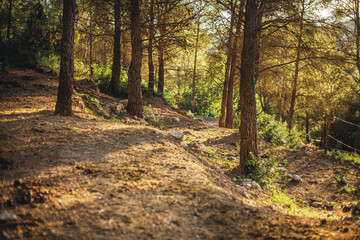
307	127
248	125
150	49
327	132
230	88
116	67
91	41
65	89
161	81
194	70
9	19
297	64
258	46
135	106
227	69
357	139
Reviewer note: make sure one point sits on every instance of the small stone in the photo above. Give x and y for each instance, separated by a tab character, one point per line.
280	169
184	145
348	207
313	181
6	217
118	108
315	199
176	119
329	205
177	135
343	180
316	204
296	178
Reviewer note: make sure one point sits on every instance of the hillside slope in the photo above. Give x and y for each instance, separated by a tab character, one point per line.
90	178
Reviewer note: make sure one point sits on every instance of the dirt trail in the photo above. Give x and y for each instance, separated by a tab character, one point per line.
90	178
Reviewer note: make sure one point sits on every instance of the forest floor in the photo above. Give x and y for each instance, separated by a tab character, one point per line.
86	177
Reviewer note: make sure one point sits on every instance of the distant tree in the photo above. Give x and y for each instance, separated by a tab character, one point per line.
135	106
150	48
116	66
65	89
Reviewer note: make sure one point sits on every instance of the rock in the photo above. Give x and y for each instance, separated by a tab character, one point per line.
176	119
7	217
315	199
118	108
124	103
288	175
280	169
316	204
329	205
348	207
184	145
177	135
296	178
343	180
249	183
313	181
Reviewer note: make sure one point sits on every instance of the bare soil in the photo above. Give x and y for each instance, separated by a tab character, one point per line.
85	177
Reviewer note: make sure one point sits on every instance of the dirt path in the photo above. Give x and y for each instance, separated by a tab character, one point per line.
90	178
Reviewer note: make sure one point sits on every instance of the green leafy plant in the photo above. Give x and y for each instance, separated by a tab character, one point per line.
151	118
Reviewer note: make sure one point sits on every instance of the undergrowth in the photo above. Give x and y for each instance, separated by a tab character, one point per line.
352	157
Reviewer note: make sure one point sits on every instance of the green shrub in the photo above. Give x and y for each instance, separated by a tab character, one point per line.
261	169
352	157
151	118
276	132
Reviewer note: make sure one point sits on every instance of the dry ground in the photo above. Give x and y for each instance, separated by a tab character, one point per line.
90	178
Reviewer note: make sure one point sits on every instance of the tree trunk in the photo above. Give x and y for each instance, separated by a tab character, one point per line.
258	46
194	70
161	80
307	127
357	139
296	74
91	41
116	67
65	89
135	106
150	49
227	69
230	88
327	132
9	20
248	125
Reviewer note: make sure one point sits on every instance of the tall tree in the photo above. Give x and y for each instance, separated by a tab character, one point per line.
65	89
135	106
248	125
194	69
150	48
227	67
297	66
9	19
233	68
116	67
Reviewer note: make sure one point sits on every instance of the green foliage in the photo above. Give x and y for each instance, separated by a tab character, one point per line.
261	169
354	158
151	118
277	133
284	200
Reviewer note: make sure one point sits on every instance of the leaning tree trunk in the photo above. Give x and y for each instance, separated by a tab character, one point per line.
135	106
116	67
227	69
248	125
150	49
296	74
194	69
65	89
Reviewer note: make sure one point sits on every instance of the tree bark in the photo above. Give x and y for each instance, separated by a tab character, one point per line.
135	106
227	69
297	64
9	20
194	70
91	41
161	80
116	67
65	89
230	88
150	49
248	125
357	139
327	131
